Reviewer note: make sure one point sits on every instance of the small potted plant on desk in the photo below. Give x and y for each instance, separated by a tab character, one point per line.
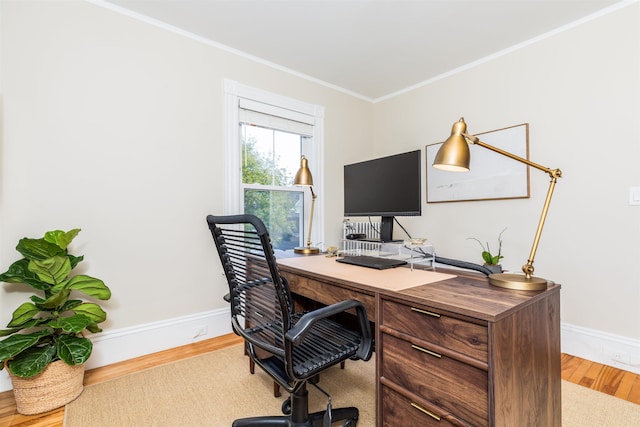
45	349
491	262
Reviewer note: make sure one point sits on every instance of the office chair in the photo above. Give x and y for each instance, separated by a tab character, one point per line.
298	346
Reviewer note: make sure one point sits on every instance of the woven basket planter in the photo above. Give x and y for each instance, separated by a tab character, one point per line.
54	387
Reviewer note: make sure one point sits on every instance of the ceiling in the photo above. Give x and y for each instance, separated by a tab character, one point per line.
369	48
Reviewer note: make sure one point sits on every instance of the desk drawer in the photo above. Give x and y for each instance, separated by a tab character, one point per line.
399	411
453	386
458	335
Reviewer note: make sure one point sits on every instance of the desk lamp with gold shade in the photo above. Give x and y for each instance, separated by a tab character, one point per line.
305	179
454	156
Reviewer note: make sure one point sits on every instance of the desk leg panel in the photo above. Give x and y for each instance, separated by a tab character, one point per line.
525	366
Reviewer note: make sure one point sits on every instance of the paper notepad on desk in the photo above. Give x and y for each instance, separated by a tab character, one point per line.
395	279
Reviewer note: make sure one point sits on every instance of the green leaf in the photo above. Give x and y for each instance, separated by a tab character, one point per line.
92	311
74	350
486	256
72	324
52	270
55	300
15	344
27	325
36	299
90	286
7	332
23	314
75	260
61	238
69	305
94	328
38	249
18	272
32	361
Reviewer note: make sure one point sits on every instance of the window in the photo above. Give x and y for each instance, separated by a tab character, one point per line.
266	136
270	159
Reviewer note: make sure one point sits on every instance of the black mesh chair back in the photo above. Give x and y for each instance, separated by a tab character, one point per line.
296	347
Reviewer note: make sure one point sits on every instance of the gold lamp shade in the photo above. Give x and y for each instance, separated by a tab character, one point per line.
454	154
303	176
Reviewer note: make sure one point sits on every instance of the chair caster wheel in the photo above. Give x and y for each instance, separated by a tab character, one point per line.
286	407
351	422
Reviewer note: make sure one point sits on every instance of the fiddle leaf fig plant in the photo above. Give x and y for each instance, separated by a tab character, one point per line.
51	325
487	256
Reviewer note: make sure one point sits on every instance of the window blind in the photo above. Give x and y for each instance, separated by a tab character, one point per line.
269	116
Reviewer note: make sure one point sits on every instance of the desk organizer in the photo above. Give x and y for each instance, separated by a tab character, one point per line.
413	252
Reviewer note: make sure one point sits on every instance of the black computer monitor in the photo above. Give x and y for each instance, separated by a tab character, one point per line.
386	187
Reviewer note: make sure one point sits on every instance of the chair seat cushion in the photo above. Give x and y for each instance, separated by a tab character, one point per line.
327	344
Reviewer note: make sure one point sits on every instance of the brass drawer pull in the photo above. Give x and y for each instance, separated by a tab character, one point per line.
424	350
421	409
428	313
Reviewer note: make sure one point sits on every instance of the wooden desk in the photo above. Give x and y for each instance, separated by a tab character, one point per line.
452	352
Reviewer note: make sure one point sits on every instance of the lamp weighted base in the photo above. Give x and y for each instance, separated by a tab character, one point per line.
306	250
517	282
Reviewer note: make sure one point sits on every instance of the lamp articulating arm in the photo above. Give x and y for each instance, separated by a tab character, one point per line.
554	174
313	202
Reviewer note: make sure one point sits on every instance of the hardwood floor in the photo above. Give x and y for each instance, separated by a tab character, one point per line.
615	382
606	379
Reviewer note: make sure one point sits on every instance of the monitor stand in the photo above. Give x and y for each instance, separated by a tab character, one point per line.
386	229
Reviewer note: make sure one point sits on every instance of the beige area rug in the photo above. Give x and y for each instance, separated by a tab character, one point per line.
214	389
211	390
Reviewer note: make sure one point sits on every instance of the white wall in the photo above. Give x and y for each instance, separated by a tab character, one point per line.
115	126
579	90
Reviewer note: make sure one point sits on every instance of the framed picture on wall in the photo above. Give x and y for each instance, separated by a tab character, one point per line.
491	176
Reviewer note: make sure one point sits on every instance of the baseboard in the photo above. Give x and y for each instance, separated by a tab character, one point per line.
607	349
122	344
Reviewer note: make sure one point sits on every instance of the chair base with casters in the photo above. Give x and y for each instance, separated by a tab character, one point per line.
295	408
292	348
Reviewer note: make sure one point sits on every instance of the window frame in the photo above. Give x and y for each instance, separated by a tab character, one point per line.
233	189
